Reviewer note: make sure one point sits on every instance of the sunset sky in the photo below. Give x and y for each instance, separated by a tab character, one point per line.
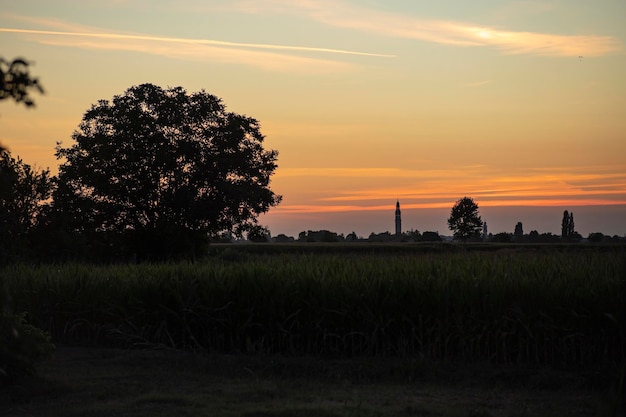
520	105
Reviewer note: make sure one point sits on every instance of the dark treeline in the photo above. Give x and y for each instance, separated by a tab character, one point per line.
464	222
534	236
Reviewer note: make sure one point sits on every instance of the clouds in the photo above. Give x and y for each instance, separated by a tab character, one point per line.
281	56
346	15
439	188
271	57
512	42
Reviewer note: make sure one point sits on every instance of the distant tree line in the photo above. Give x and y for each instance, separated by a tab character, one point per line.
321	236
327	236
466	225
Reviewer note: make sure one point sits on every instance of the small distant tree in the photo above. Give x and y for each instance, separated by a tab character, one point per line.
429	236
325	236
259	234
568	231
319	236
595	237
549	238
575	237
283	238
464	220
413	235
381	237
519	232
502	237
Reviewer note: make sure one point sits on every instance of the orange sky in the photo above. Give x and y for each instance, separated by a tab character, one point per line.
518	104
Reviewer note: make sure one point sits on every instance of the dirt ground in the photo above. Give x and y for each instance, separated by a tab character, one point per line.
95	382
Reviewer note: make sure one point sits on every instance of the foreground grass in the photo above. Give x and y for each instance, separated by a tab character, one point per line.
558	306
98	382
329	331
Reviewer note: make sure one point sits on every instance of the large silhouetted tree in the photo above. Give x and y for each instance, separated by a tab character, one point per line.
161	165
464	220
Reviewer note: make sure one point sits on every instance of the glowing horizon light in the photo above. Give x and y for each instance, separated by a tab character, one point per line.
447	204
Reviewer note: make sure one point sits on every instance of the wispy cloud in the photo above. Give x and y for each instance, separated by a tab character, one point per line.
440	188
161	39
477	83
345	15
266	56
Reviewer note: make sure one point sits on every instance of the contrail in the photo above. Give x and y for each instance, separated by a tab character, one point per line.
194	41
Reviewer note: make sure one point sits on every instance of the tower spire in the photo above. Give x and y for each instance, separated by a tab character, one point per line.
398	219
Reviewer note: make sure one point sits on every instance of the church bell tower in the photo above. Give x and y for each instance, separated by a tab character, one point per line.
398	219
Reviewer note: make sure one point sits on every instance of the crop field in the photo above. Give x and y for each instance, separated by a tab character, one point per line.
561	306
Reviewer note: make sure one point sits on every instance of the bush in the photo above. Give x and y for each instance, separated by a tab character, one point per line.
21	345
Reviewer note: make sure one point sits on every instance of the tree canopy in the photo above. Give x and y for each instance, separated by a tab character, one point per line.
567	226
163	161
23	191
464	220
16	81
519	232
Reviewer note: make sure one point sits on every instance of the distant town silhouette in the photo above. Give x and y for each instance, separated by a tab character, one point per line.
568	235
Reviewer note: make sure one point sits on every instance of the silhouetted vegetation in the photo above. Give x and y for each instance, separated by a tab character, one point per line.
21	346
518	234
568	232
23	194
156	172
502	237
464	220
319	236
16	82
22	191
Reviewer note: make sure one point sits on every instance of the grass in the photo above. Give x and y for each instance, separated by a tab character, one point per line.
94	382
545	306
344	330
